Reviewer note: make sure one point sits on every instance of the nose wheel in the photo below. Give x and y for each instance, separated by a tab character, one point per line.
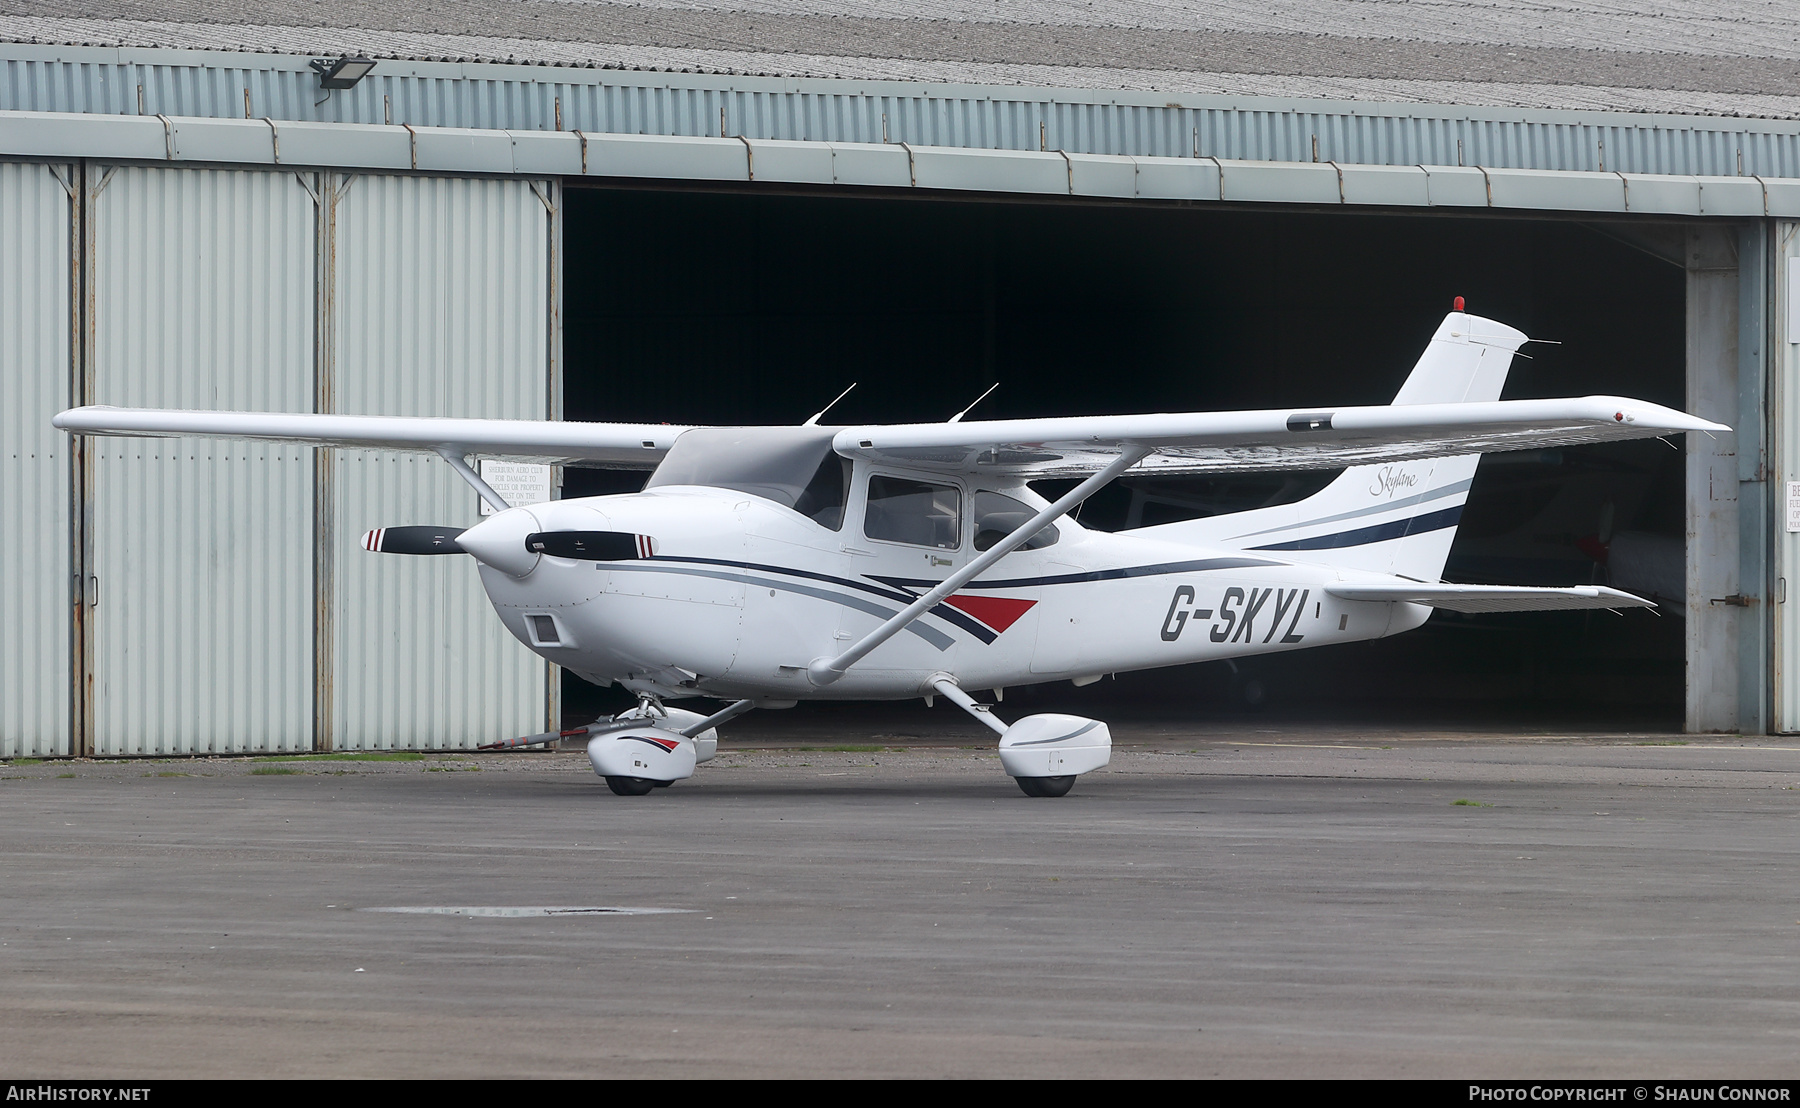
1046	786
632	786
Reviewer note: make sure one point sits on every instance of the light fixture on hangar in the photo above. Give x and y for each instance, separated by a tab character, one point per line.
341	73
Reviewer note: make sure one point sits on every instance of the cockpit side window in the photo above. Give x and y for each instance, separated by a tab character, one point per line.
913	512
997	516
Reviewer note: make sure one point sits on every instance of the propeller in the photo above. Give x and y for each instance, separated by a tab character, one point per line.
585	546
591	546
413	540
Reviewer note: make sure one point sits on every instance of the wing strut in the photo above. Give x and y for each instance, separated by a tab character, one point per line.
824	671
460	464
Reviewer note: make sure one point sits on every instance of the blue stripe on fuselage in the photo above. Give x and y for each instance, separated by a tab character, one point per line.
1381	532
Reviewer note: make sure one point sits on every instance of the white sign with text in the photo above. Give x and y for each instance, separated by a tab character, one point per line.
519	483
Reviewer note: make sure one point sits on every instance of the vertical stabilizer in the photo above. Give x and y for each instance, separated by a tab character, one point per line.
1399	517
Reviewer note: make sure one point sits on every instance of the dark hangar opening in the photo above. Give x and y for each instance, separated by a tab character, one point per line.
748	307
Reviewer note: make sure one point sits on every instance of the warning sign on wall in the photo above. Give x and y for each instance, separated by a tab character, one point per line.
520	483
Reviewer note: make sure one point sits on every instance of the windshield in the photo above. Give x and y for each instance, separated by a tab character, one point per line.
793	466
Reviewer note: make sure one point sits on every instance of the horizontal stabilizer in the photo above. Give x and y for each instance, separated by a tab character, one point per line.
413	540
1493	598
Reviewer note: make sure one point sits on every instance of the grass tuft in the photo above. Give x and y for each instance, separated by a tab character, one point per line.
274	771
1469	804
364	756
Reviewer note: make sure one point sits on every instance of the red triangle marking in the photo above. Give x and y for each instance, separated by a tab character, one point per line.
998	612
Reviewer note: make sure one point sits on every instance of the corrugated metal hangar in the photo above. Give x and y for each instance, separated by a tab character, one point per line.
711	213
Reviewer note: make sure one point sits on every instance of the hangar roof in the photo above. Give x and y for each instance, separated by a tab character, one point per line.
1705	57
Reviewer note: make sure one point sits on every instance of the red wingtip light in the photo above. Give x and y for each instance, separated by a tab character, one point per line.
1619	416
1459	303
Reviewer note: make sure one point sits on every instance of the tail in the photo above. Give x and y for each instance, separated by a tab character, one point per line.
1397	518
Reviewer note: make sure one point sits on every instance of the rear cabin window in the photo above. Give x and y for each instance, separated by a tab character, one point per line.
914	512
997	516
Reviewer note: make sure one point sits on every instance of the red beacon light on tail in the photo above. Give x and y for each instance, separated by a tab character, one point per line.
1457	304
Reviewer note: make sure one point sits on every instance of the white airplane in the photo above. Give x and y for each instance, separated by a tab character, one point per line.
769	565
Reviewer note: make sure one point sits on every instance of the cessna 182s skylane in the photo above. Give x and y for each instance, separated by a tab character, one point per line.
769	565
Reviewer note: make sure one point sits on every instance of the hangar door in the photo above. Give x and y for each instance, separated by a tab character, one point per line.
199	551
36	593
441	302
229	605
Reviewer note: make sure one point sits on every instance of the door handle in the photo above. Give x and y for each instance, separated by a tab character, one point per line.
93	592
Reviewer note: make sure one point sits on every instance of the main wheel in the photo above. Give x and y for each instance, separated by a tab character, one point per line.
1046	786
630	786
662	784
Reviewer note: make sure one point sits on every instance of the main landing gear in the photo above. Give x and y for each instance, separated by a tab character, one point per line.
1044	753
652	747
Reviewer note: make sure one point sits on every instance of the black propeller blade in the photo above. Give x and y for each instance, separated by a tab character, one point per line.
588	546
413	540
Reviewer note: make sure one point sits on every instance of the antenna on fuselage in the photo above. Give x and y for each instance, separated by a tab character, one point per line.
814	421
957	418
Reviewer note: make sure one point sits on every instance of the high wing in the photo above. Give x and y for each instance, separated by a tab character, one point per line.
1197	442
609	445
1285	439
1493	598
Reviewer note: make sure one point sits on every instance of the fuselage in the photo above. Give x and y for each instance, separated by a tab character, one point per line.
733	595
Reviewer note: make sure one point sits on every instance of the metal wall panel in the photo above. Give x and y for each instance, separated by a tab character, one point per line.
441	295
1713	628
203	289
36	596
1752	426
1784	453
1157	124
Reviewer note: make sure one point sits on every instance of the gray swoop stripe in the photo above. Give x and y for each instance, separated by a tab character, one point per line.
1403	502
930	634
1059	738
